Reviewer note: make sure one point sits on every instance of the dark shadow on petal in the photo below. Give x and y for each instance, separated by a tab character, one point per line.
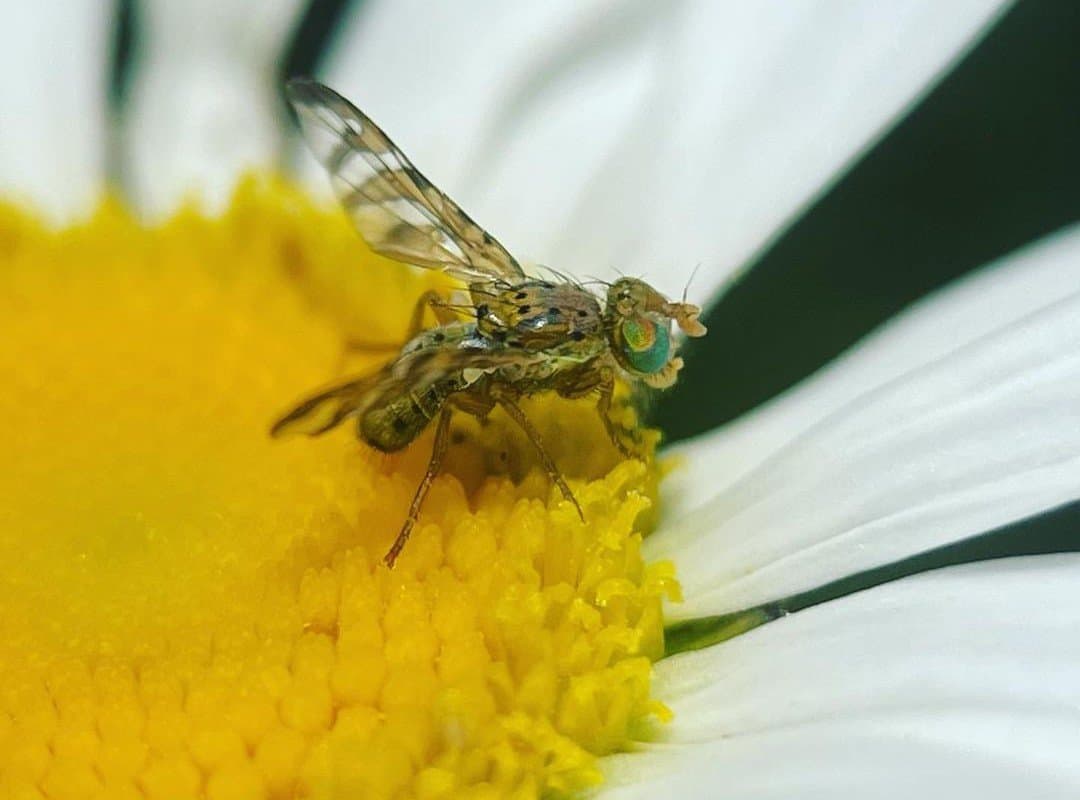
121	58
121	51
985	164
1056	531
313	37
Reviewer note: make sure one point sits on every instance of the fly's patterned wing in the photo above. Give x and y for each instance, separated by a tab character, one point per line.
329	408
446	369
400	214
421	368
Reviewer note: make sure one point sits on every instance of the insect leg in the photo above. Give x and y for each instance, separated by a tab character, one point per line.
437	303
438	450
615	433
580	384
429	299
515	412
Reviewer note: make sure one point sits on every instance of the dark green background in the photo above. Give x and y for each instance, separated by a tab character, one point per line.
988	162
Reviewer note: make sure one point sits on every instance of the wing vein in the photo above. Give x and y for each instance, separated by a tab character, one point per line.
397	210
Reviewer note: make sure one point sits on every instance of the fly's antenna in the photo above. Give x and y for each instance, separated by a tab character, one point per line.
693	274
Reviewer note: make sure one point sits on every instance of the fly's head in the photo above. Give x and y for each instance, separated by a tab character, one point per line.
638	320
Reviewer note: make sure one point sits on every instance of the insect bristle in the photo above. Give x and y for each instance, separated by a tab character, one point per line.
595	281
686	288
461	308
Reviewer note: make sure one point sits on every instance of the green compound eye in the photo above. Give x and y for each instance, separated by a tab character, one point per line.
646	345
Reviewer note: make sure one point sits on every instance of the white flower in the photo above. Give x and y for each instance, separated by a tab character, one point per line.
653	137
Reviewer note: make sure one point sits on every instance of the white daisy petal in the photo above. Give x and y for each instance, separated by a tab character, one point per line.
956	683
204	101
640	135
962	417
52	119
977	305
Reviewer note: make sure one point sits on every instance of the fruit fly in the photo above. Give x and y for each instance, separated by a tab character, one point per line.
519	335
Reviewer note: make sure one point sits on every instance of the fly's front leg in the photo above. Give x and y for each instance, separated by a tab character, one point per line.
438	450
616	433
516	414
602	379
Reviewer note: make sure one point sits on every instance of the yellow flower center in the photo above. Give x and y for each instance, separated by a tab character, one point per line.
189	609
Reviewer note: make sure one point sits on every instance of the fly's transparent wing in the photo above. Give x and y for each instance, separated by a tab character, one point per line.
423	368
329	408
410	374
397	210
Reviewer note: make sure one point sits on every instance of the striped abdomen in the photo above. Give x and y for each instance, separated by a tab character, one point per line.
399	417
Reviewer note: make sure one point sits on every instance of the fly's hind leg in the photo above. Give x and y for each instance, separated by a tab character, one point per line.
516	414
429	299
438	450
438	304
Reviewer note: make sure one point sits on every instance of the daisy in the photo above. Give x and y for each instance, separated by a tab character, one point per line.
587	136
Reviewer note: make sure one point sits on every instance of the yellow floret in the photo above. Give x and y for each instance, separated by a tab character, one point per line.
189	609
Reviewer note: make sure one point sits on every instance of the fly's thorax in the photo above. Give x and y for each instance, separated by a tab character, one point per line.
538	315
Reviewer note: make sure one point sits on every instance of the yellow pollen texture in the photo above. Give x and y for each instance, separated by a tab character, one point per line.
190	609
